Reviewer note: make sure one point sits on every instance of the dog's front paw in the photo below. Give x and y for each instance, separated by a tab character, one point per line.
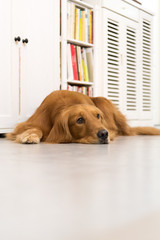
28	139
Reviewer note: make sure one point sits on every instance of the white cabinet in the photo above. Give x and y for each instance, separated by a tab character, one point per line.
31	70
8	84
127	60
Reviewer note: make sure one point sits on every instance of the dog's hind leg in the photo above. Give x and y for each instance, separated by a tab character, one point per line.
32	135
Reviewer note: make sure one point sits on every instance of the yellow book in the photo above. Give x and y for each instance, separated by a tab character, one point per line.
83	69
75	25
85	66
83	25
80	25
90	26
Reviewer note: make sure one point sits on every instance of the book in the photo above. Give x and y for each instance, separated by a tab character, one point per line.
85	90
83	25
86	25
79	60
74	62
90	26
69	63
68	19
72	22
77	13
89	57
81	67
84	64
80	25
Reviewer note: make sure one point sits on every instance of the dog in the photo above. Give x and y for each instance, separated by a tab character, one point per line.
71	117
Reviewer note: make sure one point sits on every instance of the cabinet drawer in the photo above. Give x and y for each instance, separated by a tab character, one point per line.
122	8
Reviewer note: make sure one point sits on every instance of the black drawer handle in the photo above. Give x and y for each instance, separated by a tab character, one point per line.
17	39
25	40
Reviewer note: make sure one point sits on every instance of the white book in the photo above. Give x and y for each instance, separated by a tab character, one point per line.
69	64
72	20
80	63
68	19
89	56
77	23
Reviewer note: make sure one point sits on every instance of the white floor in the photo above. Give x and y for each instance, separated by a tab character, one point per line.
80	192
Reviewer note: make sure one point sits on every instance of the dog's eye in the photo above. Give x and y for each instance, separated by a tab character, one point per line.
98	116
80	120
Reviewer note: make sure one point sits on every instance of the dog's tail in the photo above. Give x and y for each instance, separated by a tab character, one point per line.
144	131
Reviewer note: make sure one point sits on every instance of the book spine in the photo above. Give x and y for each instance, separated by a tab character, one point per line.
89	57
77	12
90	26
86	25
83	25
80	60
85	67
69	63
74	62
68	19
80	25
72	20
77	61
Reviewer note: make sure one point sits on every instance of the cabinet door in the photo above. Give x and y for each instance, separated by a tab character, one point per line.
121	57
112	57
146	66
131	78
38	21
8	67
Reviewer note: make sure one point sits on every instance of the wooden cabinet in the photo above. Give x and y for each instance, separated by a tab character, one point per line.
30	70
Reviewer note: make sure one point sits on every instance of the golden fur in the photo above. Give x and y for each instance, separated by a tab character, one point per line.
67	117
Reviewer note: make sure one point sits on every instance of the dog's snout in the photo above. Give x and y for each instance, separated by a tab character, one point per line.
102	134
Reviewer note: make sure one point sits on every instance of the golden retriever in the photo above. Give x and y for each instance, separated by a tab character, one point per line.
71	117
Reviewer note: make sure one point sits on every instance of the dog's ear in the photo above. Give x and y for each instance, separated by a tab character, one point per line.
60	132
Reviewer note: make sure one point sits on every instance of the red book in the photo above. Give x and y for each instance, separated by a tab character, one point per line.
74	62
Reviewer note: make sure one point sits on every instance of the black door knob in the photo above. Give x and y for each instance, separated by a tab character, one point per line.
25	40
17	39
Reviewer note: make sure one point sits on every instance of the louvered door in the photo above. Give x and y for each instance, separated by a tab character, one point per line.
127	64
112	70
146	66
120	62
113	61
131	69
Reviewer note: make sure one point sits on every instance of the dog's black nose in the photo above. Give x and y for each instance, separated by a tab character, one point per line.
102	134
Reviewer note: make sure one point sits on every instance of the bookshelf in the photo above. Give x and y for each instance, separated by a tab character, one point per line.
77	46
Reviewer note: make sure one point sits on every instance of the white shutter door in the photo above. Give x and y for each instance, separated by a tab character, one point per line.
120	62
146	68
111	56
127	65
113	61
131	76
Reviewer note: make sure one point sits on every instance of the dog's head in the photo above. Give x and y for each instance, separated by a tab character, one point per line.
80	124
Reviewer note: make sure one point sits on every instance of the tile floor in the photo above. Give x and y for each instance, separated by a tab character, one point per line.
81	192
